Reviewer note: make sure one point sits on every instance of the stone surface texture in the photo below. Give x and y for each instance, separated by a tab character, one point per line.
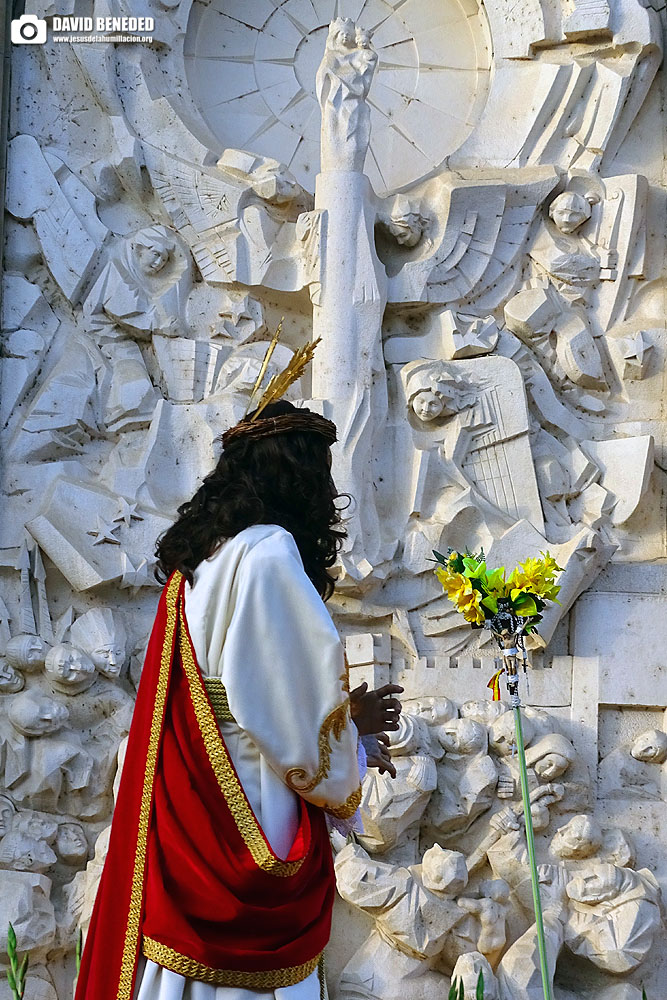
466	201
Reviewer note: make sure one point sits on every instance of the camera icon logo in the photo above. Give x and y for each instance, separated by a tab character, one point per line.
28	30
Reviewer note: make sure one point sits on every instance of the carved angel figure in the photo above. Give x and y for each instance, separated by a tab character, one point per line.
566	267
477	227
144	287
475	472
245	219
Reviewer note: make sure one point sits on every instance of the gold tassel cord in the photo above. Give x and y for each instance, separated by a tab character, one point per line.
280	383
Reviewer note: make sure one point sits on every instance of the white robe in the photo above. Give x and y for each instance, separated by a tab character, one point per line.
257	622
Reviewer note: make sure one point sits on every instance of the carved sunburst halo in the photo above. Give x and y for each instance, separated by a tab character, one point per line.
251	69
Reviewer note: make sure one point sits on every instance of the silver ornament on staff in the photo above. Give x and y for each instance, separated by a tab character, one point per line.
509	630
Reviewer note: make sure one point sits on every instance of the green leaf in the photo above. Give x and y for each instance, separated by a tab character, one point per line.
461	991
644	997
24	968
79	950
479	572
12	982
480	986
524	605
491	603
11	940
495	580
452	992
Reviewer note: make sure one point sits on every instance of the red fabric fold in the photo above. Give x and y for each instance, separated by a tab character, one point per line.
179	870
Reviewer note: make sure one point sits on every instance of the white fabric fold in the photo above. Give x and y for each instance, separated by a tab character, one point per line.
257	622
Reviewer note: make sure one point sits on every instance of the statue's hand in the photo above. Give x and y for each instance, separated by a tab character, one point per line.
553	883
377	753
375	711
505	821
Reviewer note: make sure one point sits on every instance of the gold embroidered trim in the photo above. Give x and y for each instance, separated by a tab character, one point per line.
188	967
348	808
224	771
345	676
217	695
128	962
334	724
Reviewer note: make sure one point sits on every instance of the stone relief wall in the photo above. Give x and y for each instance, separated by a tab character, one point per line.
466	202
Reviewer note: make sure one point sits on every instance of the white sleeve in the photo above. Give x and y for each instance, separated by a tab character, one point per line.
283	667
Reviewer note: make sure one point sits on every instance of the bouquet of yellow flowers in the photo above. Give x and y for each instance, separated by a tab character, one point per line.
482	594
510	605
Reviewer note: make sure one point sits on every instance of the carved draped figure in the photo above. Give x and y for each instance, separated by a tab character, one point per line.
228	891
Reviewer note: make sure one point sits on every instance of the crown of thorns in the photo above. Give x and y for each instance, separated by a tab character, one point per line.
300	420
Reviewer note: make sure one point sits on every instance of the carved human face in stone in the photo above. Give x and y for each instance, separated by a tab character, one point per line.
344	32
71	844
580	838
276	185
462	736
551	766
363	37
651	747
26	653
33	713
467	970
569	211
10	680
428	405
36	826
443	870
502	735
483	711
151	256
496	889
69	669
7	813
433	711
109	659
407	228
406	740
601	883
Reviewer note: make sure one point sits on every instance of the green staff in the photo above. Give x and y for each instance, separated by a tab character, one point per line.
530	840
510	606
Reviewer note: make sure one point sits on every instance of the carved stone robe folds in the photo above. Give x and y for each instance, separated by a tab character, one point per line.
228	891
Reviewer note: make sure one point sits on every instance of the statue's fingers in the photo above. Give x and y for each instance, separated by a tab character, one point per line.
393	704
388	689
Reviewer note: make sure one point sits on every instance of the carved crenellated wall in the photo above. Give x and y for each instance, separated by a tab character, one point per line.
477	233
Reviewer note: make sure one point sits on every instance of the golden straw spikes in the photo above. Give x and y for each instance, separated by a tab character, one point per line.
265	365
281	382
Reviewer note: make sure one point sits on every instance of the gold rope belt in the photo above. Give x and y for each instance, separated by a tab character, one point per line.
217	694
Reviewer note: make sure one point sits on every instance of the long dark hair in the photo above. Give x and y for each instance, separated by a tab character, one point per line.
280	479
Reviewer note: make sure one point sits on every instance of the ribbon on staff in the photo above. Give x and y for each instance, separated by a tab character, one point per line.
494	684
